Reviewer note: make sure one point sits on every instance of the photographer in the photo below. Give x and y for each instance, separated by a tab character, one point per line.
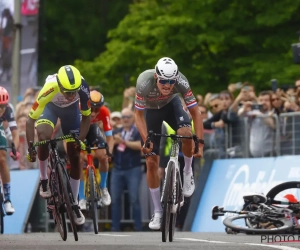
262	125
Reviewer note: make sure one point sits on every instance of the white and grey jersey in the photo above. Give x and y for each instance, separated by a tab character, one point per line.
148	96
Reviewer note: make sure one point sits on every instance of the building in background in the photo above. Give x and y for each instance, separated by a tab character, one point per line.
29	43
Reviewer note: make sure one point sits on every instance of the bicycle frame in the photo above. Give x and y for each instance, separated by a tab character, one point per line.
173	158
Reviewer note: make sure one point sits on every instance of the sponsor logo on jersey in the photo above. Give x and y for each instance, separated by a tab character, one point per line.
163	97
188	94
46	93
139	97
142	86
35	106
85	90
183	82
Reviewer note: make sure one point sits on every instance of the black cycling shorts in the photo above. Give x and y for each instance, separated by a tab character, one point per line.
173	113
94	137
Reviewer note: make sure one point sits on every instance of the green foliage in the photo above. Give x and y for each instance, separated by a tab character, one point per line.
72	29
214	42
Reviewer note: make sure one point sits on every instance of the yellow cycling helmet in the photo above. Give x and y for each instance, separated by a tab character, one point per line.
69	78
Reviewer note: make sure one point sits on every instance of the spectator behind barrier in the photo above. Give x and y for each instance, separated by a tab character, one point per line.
262	125
127	170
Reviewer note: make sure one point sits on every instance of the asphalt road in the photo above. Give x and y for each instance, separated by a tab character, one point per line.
135	241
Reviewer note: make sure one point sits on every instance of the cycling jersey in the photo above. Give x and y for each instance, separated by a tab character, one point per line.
50	93
104	116
8	116
148	95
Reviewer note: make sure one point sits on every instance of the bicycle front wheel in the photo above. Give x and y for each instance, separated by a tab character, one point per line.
58	211
167	201
67	196
92	199
280	225
173	216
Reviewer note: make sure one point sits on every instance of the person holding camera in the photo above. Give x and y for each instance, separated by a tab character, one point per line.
262	125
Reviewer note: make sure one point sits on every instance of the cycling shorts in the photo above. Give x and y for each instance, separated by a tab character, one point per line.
69	117
173	113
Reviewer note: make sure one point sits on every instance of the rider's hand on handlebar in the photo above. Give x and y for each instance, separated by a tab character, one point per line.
31	155
15	157
146	150
199	154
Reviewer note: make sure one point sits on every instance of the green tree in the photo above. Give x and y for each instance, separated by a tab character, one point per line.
75	29
214	42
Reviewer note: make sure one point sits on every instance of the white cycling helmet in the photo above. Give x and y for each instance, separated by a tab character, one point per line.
166	68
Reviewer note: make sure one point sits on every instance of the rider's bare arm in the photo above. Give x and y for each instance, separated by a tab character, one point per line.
141	123
46	94
198	122
84	96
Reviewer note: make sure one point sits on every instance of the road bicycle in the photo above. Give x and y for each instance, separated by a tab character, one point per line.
2	198
62	199
264	214
172	198
92	190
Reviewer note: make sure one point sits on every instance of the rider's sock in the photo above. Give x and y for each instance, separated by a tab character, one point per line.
187	164
81	190
75	188
103	179
43	169
6	190
155	194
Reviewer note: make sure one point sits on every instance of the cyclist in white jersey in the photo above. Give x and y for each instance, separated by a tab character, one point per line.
157	93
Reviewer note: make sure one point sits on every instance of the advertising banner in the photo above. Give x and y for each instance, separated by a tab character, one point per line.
228	180
29	41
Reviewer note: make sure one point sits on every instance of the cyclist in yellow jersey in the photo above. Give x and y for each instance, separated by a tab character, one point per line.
59	98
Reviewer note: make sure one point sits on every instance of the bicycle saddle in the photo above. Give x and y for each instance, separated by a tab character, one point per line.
255	198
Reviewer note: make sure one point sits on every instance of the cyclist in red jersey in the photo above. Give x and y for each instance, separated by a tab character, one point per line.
100	113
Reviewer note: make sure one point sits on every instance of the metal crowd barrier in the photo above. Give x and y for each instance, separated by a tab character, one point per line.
236	141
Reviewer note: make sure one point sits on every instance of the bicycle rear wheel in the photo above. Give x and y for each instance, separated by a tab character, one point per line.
92	200
282	224
167	201
280	188
58	211
173	216
68	197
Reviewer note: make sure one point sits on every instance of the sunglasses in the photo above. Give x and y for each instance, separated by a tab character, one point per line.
126	116
164	81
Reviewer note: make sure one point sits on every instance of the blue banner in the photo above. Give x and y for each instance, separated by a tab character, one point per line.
228	180
24	184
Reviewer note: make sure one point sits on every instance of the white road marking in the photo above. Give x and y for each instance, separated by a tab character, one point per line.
119	235
209	241
27	51
273	246
251	244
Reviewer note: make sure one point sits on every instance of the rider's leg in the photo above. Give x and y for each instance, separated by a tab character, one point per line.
82	198
187	150
5	175
180	122
44	132
70	122
75	173
103	169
